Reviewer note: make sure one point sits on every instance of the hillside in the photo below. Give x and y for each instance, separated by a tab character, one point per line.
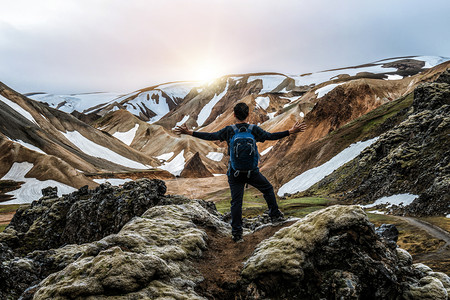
409	158
41	146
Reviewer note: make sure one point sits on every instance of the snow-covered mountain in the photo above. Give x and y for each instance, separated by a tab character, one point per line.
141	122
149	104
73	102
40	146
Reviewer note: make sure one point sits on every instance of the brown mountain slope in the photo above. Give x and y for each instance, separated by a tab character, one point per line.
59	146
154	140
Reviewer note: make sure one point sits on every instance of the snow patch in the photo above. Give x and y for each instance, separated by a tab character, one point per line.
184	120
270	82
321	77
291	99
206	110
165	156
393	77
378	212
263	102
30	146
404	199
302	114
326	89
18	109
113	181
176	165
128	136
266	151
432	61
307	179
31	189
78	102
153	100
219	175
272	115
216	156
95	150
178	90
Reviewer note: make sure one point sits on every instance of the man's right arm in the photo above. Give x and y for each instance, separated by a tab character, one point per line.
210	136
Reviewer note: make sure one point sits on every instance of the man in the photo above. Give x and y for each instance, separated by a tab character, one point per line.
237	179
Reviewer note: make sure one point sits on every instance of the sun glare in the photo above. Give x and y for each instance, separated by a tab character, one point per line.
208	72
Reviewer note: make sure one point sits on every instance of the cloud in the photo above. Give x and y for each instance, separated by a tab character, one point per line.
112	45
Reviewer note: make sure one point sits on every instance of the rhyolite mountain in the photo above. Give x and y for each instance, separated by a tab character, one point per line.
335	104
40	145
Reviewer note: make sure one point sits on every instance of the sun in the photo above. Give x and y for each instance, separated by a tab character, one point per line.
208	72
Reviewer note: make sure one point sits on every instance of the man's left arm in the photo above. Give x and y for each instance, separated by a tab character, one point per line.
298	127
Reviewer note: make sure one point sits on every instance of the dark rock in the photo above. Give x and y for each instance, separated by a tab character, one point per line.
50	192
83	216
389	233
334	253
195	168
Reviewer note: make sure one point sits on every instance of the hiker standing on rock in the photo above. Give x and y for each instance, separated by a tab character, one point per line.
243	166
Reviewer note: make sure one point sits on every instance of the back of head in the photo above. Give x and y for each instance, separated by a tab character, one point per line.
241	111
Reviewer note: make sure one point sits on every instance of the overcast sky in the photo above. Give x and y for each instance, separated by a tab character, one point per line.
72	46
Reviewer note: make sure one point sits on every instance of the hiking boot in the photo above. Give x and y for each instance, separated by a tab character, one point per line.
278	218
238	238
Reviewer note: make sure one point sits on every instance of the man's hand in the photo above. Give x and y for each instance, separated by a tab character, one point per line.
298	127
183	129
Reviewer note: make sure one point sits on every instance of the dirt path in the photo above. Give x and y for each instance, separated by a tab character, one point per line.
433	230
196	188
438	260
6	218
222	262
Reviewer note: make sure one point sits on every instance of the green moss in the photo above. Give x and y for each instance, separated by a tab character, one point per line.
306	201
2	227
8	208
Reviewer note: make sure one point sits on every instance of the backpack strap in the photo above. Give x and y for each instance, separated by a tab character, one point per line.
250	128
236	130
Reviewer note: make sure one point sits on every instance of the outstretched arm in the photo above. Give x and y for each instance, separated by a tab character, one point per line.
183	129
210	136
298	127
264	135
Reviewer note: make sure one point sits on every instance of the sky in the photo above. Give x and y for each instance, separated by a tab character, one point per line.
75	46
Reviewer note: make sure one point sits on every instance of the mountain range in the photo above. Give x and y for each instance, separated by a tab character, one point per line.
74	140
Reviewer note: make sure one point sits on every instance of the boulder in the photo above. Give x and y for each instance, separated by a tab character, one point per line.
334	253
81	217
149	258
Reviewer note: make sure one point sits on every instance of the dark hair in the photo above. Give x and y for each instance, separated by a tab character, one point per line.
241	111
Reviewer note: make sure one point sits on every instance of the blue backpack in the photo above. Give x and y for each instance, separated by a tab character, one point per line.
244	154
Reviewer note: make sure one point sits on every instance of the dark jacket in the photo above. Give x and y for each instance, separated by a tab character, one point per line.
227	133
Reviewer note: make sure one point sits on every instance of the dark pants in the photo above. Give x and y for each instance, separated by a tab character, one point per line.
237	185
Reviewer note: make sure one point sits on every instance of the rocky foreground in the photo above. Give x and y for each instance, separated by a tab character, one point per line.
135	242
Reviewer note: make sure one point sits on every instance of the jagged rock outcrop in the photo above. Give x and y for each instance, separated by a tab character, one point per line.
83	216
65	223
335	254
332	253
413	157
195	168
